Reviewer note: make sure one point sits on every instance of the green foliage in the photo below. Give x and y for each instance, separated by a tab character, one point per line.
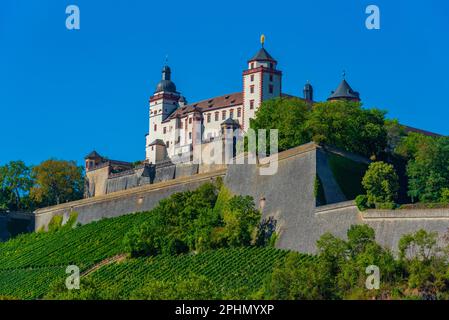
343	124
428	166
348	174
288	116
218	274
57	181
425	264
336	272
191	288
15	183
55	223
348	126
30	283
395	133
195	221
361	202
444	195
240	219
381	183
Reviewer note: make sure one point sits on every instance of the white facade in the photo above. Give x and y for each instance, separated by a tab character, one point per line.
180	128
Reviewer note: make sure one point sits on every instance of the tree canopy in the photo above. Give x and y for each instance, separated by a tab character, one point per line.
343	124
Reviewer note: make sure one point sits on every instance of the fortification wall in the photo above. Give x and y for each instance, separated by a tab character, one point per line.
288	196
124	202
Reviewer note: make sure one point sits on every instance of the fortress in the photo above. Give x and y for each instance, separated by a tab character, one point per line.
178	130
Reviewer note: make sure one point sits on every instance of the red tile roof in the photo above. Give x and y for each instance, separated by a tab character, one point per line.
227	100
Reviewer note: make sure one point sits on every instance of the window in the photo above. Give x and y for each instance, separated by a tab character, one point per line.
231	113
208	117
270	88
252	78
190	135
167	143
152	148
217	116
180	124
239	112
165	130
252	65
190	120
251	89
155	127
271	78
271	65
223	115
251	104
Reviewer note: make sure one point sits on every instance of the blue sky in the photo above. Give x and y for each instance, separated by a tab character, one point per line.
64	93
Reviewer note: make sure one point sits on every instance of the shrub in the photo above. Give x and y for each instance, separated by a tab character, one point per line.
55	223
361	202
381	183
444	195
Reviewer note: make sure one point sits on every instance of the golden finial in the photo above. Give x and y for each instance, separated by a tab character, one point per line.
262	39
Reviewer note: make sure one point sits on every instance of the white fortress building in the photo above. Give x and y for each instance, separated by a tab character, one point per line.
177	128
186	139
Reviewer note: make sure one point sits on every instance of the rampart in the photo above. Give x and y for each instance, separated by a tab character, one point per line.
289	196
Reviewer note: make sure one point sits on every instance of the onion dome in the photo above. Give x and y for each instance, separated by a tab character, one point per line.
166	85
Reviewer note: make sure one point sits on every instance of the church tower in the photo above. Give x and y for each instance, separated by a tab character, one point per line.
164	102
261	81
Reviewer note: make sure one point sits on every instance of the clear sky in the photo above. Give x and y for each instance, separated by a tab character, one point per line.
64	93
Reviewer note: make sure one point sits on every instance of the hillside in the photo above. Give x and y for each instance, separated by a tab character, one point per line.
31	264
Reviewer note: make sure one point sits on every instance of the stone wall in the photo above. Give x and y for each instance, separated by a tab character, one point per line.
124	202
288	196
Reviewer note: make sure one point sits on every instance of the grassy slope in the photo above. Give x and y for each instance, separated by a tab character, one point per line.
30	263
348	174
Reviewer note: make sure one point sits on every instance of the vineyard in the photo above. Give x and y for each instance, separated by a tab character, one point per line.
231	269
30	264
82	246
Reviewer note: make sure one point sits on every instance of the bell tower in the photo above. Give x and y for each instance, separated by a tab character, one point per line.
163	103
261	81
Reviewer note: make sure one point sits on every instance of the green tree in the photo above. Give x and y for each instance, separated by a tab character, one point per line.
395	133
428	170
288	115
241	220
381	183
347	125
57	181
15	183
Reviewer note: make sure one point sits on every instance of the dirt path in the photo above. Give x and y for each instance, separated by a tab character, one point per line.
114	259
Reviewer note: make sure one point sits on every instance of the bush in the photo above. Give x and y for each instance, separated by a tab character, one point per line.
195	221
361	202
444	195
381	183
